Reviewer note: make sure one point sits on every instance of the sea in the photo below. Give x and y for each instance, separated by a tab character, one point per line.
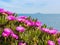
51	20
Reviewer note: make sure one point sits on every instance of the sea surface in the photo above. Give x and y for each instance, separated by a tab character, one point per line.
51	20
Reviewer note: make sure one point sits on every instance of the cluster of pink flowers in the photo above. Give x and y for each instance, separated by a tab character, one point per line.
5	12
50	31
32	23
8	32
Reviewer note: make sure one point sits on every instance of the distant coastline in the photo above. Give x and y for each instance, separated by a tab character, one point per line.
36	13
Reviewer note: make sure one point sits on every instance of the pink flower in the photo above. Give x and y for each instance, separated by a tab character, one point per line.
20	29
50	42
23	17
2	10
5	34
14	35
29	23
20	43
7	31
53	31
9	13
45	30
37	23
20	19
10	17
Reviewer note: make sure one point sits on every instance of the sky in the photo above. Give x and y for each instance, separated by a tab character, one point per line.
31	6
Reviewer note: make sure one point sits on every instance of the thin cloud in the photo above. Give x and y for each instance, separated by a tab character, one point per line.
31	6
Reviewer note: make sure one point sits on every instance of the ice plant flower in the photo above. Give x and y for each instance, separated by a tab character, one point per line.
45	30
58	40
20	43
14	36
23	17
10	17
20	19
2	10
53	31
29	23
20	29
37	23
8	12
7	31
5	34
51	42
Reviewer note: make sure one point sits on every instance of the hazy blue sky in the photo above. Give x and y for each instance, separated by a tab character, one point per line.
31	6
